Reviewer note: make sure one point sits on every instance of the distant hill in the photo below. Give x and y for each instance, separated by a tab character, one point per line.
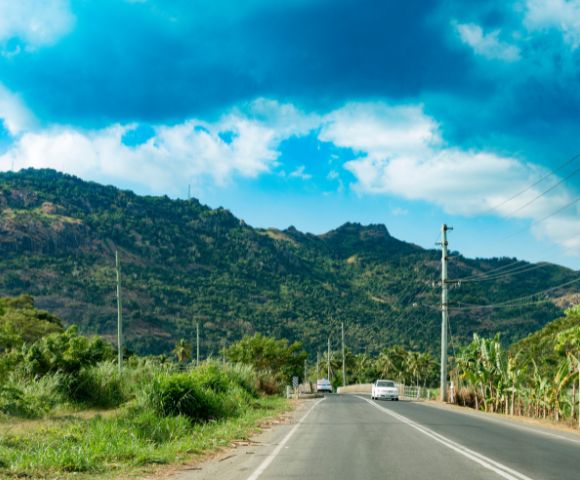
184	262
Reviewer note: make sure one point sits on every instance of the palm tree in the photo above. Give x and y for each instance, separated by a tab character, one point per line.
413	366
182	350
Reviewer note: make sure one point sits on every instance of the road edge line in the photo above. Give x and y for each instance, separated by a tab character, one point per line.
486	462
270	458
507	422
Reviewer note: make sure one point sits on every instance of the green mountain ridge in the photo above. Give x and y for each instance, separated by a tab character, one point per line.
185	262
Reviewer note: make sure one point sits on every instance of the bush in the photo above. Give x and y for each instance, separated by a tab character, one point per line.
211	391
181	394
99	386
268	383
243	375
65	352
213	376
30	399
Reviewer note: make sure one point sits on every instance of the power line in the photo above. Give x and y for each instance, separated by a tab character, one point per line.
537	182
536	222
508	273
557	184
515	302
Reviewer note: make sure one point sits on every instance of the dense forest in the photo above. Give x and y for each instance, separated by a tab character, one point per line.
183	263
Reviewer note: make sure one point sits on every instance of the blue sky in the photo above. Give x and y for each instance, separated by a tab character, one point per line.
312	112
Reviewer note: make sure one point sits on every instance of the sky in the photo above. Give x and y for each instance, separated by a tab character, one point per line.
313	113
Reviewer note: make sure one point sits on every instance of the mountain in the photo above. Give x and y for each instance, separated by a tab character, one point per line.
183	262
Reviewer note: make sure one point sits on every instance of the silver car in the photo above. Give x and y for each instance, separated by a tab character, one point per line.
385	389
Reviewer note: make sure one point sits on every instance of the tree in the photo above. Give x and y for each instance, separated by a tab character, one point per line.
269	354
66	352
568	342
182	350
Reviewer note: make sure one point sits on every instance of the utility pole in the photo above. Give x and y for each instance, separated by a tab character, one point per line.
328	358
317	365
343	357
197	343
119	314
444	312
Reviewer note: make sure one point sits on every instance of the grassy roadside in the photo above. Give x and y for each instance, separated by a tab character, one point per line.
128	444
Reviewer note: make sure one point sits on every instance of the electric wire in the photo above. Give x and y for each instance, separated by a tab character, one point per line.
515	302
537	182
568	205
557	184
508	273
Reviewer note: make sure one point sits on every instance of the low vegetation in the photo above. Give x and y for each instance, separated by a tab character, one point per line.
66	411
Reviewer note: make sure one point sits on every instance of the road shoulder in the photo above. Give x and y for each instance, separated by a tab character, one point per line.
243	457
524	423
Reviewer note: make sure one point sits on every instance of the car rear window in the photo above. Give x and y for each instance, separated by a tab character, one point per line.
385	384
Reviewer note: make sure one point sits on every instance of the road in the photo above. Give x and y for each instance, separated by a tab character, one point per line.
346	437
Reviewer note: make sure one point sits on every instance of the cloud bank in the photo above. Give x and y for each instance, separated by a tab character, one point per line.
394	149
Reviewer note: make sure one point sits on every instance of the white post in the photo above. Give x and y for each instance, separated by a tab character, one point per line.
328	359
197	343
119	314
343	358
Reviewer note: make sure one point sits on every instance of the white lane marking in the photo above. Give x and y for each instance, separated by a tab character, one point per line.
506	423
486	462
268	460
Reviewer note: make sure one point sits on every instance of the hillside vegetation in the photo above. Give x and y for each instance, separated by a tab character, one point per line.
183	262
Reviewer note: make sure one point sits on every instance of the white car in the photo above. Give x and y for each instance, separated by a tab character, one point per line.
323	385
386	389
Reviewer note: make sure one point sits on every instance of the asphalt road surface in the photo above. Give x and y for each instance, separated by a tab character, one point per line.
346	437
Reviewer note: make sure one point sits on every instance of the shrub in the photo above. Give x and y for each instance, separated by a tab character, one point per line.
65	352
99	386
244	376
268	383
30	399
181	394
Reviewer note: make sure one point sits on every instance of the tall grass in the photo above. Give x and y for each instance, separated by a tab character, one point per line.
30	398
164	415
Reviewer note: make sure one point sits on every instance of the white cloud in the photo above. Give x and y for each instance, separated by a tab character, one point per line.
192	149
399	211
300	173
562	15
34	22
378	129
399	151
396	150
563	229
487	45
13	113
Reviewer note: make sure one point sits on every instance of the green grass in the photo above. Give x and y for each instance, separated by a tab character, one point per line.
133	441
